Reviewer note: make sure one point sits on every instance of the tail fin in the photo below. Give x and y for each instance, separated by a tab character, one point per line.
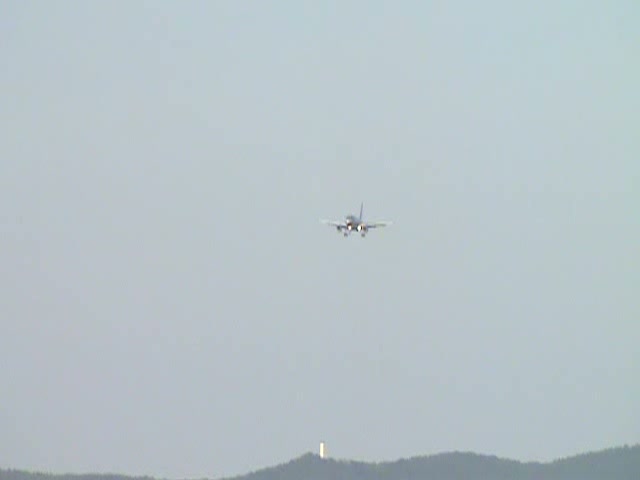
361	205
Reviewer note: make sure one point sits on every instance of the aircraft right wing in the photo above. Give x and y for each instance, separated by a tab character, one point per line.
334	223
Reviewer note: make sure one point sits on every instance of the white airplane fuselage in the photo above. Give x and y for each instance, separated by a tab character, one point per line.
354	223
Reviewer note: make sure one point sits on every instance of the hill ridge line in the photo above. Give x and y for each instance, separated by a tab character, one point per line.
313	459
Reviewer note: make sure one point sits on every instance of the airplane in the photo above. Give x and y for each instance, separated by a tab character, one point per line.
352	223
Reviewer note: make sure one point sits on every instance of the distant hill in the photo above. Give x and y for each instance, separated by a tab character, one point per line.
621	463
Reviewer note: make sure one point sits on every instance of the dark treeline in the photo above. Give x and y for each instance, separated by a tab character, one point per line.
621	463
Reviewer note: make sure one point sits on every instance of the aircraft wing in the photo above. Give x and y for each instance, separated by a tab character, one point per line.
378	224
334	223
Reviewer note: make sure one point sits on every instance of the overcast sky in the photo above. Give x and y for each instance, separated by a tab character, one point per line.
171	305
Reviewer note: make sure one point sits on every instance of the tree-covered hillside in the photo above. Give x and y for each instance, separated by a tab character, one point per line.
614	464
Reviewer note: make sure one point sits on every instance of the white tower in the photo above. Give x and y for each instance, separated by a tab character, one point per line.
322	450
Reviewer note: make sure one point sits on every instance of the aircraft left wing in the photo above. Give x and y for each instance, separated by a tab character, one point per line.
378	224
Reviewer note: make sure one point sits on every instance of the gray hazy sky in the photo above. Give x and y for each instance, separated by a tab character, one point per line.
170	304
